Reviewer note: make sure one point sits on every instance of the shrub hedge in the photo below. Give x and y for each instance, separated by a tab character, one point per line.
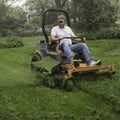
113	32
11	42
109	33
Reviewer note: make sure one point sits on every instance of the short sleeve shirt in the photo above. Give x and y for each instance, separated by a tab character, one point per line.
66	31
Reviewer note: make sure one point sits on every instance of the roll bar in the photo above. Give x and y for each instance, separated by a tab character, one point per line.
44	21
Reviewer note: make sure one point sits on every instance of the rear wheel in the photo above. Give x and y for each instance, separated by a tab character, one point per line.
36	57
69	85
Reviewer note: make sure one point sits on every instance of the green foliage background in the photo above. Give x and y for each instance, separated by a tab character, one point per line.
86	15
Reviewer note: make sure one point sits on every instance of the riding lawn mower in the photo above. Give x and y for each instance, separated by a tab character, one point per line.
49	60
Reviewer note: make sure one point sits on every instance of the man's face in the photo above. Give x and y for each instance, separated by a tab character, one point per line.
61	23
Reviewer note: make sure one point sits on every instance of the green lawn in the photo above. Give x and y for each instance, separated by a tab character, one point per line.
23	97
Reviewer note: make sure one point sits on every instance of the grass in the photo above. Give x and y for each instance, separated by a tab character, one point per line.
23	97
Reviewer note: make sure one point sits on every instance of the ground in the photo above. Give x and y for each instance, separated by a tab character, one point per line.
24	97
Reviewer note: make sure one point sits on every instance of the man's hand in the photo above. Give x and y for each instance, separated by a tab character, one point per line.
83	39
54	38
80	39
61	37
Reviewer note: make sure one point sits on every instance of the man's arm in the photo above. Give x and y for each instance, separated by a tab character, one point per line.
80	39
76	38
54	38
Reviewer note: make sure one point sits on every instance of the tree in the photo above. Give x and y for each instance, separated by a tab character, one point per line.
60	3
35	9
11	19
93	15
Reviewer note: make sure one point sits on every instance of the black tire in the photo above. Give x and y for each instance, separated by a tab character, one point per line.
56	69
79	56
69	85
36	57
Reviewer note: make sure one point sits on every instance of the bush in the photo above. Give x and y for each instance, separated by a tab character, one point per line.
7	32
113	32
14	42
107	33
89	36
11	42
3	45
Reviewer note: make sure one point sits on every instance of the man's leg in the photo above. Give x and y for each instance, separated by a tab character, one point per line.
68	53
84	49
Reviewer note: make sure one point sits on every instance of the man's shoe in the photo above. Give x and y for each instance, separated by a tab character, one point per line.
93	63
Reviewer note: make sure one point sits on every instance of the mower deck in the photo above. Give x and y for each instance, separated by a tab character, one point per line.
84	68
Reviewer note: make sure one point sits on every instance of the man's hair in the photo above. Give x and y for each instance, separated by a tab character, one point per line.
60	17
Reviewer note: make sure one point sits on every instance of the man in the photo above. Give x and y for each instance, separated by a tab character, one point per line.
61	31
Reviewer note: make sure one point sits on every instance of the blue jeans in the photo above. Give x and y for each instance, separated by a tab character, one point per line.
76	48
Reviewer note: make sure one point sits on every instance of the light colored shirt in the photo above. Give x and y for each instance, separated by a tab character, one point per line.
66	32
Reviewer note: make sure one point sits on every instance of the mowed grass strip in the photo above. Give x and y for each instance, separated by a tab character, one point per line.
104	86
23	97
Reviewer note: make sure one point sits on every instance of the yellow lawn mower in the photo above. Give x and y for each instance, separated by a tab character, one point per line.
49	61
